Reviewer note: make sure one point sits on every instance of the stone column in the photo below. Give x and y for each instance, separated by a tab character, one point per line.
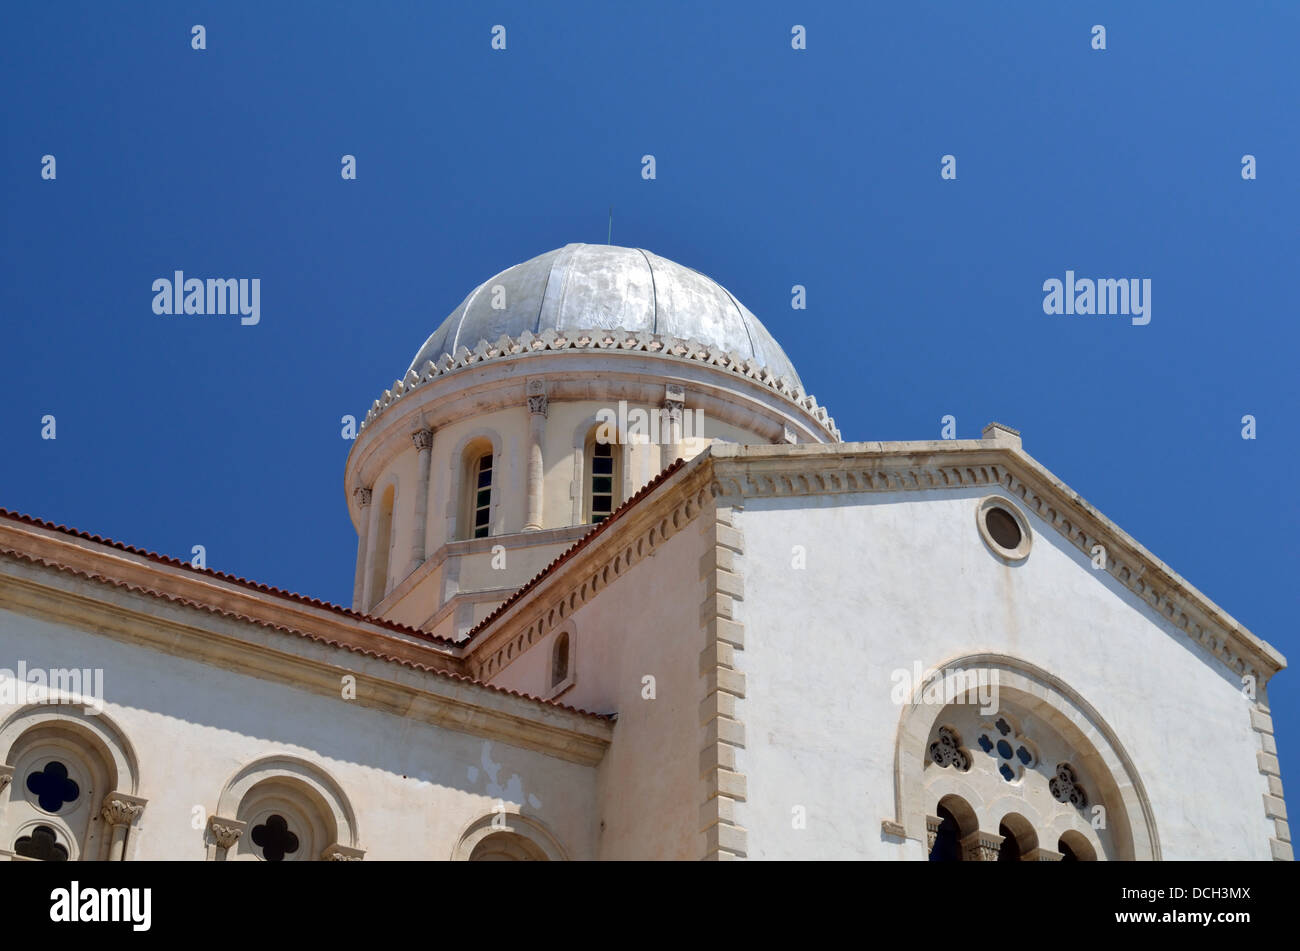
981	847
537	407
119	813
225	833
423	439
670	418
362	495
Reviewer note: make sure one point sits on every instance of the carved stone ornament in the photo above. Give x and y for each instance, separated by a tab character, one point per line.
423	439
982	846
537	402
947	751
117	811
1065	786
362	495
341	853
674	348
932	824
225	832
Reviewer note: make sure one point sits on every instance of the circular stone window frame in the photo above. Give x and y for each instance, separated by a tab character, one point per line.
1009	555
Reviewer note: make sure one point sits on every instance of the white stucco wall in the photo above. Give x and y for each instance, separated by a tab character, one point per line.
898	578
646	623
194	726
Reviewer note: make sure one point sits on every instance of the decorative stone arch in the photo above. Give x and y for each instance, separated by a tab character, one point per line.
101	816
529	838
1023	827
318	798
1084	851
456	481
1066	712
947	841
98	729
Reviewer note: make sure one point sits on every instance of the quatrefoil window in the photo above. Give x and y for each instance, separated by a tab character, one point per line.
52	787
41	844
1065	786
275	839
1003	742
947	751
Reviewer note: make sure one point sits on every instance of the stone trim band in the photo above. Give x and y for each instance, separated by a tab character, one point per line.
663	345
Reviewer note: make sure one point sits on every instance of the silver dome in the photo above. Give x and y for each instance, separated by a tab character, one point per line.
604	287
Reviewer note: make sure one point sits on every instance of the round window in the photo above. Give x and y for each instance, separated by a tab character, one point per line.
1004	528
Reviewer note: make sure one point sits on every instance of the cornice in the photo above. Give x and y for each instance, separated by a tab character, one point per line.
642	342
776	471
208	635
178	579
738	472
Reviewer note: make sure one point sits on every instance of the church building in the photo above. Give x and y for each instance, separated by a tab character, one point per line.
623	592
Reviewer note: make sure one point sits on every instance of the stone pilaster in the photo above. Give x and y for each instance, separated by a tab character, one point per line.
423	439
120	812
537	410
670	424
362	495
724	689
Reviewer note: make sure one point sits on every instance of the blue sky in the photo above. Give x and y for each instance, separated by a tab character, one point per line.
775	167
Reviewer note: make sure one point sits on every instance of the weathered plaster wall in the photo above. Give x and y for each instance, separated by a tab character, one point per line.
194	725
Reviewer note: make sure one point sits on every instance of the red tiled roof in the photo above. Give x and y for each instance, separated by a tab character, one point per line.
221	612
576	547
233	579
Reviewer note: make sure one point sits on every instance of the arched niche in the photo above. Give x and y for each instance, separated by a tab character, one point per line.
506	837
317	816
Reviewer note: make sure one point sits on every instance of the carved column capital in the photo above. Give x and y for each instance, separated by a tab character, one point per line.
932	824
341	853
982	846
1042	855
423	439
6	776
225	832
119	809
362	494
537	399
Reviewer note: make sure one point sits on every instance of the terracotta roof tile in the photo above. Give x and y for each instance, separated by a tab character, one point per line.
212	609
233	579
